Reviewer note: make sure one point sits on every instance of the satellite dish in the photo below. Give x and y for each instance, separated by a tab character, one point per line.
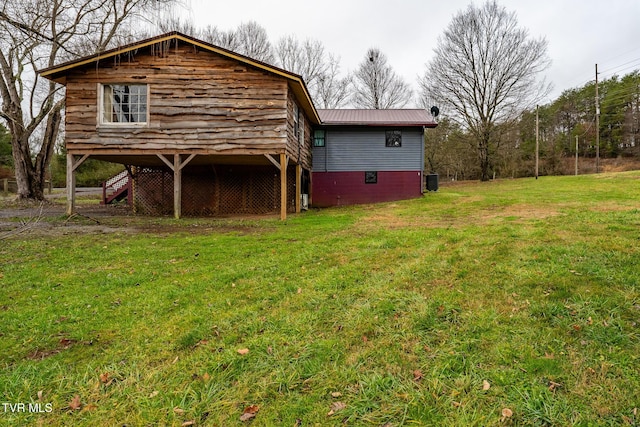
435	111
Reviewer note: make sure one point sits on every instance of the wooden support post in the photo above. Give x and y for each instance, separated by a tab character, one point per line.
298	187
177	187
71	186
72	165
6	185
283	186
177	167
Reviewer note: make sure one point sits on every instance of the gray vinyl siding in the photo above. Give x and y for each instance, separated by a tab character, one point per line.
364	149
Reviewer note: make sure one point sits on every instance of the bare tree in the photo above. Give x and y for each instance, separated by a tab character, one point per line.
377	86
253	41
249	39
225	39
320	71
332	90
307	58
174	23
35	34
484	73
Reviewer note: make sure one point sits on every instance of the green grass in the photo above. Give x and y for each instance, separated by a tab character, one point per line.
400	311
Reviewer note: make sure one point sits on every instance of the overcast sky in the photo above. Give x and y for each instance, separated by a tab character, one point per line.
580	33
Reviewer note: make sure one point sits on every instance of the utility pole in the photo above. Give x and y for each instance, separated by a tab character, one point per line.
576	155
537	140
597	125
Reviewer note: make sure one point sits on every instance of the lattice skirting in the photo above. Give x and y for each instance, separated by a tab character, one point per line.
213	190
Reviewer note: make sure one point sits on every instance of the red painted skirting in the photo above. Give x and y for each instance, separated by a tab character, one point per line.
349	188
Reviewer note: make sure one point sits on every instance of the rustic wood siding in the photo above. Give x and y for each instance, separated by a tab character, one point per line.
294	148
198	101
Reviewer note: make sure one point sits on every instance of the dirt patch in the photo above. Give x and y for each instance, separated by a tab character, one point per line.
51	220
389	220
63	344
515	213
519	212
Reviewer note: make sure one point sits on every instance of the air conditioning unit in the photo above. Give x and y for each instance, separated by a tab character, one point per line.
304	202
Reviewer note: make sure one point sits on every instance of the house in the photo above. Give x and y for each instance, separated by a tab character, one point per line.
368	156
206	131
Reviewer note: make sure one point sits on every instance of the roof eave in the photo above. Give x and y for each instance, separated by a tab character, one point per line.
383	124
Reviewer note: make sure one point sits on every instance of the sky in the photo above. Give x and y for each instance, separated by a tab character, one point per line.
580	33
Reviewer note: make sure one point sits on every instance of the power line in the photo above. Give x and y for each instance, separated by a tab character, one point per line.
621	65
626	66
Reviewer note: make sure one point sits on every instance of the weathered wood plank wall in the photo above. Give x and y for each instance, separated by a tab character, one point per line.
298	150
199	100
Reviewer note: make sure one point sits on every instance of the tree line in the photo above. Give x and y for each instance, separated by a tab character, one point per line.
569	119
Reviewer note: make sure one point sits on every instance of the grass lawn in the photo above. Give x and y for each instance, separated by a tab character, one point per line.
514	302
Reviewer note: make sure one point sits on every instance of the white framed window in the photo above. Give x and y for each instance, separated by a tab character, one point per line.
124	104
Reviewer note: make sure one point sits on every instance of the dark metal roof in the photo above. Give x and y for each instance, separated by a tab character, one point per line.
353	117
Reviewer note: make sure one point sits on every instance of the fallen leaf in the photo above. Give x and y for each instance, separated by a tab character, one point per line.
40	393
299	290
507	413
206	376
243	351
188	423
485	385
269	350
590	321
576	327
417	375
75	403
554	385
335	407
66	342
104	378
249	412
364	338
336	394
178	411
154	394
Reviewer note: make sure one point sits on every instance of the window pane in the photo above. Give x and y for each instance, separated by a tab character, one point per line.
393	138
318	138
371	177
124	103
